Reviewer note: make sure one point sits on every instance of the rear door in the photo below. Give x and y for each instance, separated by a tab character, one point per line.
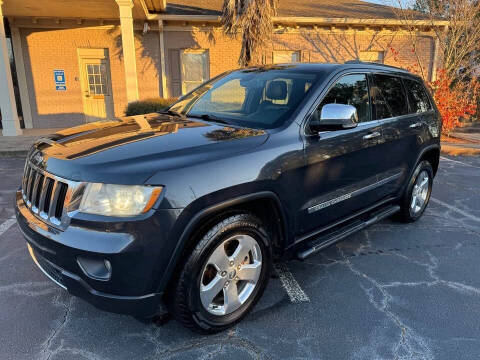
390	108
341	166
422	116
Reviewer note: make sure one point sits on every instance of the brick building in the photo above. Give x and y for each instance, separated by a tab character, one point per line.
77	61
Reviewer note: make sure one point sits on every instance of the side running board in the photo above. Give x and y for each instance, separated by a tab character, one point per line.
323	241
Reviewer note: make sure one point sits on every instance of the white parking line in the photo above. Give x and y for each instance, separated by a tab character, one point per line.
457	210
291	286
6	224
459	162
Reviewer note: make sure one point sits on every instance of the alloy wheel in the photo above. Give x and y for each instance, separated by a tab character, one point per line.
420	192
230	275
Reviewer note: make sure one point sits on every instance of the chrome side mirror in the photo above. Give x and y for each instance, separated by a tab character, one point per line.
334	117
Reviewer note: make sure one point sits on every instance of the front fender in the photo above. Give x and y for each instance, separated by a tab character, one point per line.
192	217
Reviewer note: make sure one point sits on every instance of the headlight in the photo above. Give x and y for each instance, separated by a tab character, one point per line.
118	200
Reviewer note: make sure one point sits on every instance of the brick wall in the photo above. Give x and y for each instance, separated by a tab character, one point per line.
48	49
314	46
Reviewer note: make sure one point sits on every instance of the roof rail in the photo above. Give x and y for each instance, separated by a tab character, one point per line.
373	63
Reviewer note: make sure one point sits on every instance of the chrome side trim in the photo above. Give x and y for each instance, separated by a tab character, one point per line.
32	254
329	203
357	192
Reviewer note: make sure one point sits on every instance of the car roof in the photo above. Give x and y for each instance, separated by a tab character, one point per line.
331	67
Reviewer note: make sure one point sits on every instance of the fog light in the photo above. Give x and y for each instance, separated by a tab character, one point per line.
96	269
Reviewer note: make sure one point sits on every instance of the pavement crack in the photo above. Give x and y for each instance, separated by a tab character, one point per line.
410	344
431	268
46	350
204	345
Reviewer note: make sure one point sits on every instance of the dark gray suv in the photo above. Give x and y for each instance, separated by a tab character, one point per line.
190	207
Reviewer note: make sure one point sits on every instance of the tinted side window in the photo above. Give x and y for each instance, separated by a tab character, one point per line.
417	96
350	90
388	97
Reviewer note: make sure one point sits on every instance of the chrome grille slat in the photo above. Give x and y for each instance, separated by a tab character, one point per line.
29	185
62	192
54	199
47	195
34	202
26	173
47	183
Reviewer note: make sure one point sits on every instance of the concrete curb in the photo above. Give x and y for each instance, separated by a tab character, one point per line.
454	149
468	137
462	145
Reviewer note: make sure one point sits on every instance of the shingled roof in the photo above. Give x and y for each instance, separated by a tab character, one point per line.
294	8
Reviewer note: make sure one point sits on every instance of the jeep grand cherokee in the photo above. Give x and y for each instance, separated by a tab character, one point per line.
189	207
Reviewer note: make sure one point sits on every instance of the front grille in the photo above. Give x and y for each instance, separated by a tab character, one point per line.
44	194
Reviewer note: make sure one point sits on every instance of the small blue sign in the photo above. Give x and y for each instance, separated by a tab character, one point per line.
60	82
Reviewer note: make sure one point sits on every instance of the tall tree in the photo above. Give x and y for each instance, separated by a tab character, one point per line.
252	20
460	40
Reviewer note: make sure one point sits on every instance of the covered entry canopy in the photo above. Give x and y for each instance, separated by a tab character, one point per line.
87	9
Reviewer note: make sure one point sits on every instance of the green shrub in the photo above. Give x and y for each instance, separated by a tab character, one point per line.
148	106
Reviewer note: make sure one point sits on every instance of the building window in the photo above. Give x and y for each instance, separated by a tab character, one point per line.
371	56
97	79
286	57
195	69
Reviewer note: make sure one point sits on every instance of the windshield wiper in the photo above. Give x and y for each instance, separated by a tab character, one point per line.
173	112
208	117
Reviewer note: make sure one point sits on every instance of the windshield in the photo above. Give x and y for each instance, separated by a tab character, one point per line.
260	98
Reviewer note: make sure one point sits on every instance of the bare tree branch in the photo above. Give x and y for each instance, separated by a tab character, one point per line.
459	42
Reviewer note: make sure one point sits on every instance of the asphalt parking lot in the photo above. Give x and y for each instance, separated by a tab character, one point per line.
394	291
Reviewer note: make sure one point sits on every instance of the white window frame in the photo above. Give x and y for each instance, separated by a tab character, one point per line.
206	66
291	52
369	56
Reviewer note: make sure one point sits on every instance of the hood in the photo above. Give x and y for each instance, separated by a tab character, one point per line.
130	150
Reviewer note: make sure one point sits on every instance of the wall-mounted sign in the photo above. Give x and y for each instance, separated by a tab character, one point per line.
60	82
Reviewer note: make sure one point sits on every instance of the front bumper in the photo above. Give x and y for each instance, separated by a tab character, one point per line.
132	248
142	306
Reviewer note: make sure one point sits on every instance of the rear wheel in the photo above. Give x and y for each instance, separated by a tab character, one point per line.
224	276
417	194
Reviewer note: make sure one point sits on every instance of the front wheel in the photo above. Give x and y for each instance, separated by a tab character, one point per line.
417	194
224	276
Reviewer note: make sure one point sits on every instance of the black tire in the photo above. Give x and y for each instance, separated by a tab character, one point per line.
184	300
407	214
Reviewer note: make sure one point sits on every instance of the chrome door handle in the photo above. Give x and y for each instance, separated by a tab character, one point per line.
371	135
416	125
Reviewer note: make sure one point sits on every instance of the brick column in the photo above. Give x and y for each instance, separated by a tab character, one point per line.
128	45
21	77
8	106
162	60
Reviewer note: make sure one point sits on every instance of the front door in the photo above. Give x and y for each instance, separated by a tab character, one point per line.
342	166
96	84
